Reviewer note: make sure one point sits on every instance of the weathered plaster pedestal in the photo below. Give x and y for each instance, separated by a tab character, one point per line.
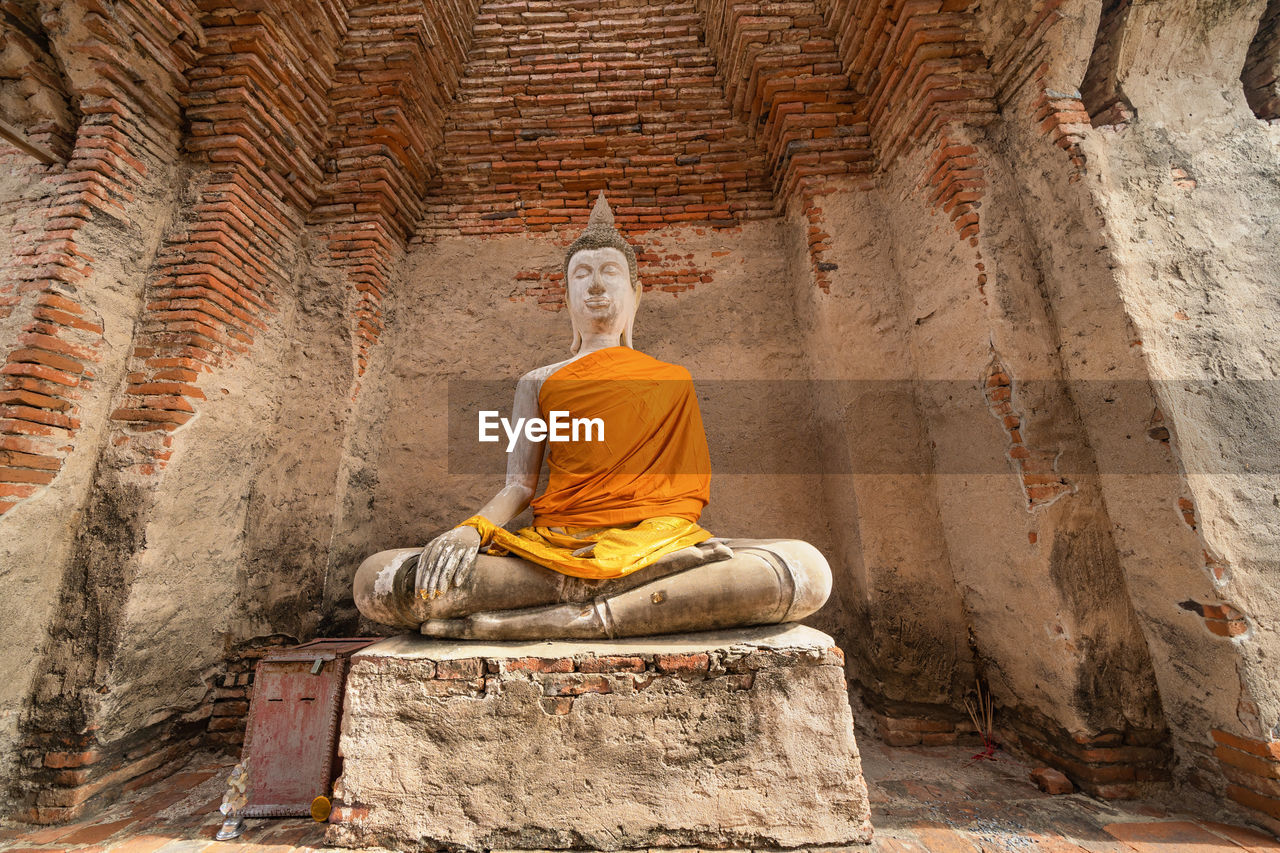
732	739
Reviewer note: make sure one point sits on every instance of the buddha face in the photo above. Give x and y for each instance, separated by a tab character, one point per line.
601	298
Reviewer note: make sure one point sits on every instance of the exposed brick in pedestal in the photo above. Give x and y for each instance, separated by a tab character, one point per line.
659	731
1019	71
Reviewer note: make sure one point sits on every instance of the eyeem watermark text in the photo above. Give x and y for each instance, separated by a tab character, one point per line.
558	427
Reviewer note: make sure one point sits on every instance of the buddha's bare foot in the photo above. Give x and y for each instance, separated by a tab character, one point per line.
453	629
558	621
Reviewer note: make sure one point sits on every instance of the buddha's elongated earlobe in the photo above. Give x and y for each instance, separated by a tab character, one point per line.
577	342
631	321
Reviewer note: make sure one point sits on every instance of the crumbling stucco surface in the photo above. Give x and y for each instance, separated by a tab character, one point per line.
692	740
52	549
1189	195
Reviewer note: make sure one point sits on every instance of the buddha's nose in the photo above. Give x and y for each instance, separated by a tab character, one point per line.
597	284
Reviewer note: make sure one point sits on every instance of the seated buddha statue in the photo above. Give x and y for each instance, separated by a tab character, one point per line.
615	549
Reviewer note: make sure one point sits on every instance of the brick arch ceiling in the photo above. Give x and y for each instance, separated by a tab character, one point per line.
395	79
563	97
702	110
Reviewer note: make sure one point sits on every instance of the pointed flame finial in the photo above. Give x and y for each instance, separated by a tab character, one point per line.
601	214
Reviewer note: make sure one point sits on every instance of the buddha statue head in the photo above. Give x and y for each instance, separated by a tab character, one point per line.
602	287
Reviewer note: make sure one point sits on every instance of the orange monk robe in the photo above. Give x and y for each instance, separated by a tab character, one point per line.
617	505
653	460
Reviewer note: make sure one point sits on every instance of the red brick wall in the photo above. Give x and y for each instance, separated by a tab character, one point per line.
233	690
920	66
257	112
1100	91
1252	768
526	145
126	81
1109	764
33	93
392	86
1041	483
380	124
124	126
781	73
546	115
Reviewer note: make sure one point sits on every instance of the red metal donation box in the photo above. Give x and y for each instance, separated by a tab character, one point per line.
290	746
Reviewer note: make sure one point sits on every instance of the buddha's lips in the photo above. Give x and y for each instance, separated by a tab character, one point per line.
597	301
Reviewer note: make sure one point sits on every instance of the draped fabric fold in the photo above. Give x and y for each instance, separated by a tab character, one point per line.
594	553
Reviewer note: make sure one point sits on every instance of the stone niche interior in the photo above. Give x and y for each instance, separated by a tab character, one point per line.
980	298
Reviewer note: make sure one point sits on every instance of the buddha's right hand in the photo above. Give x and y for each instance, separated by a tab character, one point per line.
448	560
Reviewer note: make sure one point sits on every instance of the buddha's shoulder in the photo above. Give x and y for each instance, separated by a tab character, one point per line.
539	374
616	362
660	369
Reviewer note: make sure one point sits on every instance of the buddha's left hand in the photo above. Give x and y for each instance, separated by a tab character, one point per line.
448	560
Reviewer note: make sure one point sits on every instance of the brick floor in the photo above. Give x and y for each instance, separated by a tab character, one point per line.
924	800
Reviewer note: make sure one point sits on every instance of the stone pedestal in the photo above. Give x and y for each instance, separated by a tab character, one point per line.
732	739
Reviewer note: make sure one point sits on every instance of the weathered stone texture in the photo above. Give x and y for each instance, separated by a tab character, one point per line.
980	296
730	739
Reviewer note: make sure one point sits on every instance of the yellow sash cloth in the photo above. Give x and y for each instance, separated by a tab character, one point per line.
600	552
